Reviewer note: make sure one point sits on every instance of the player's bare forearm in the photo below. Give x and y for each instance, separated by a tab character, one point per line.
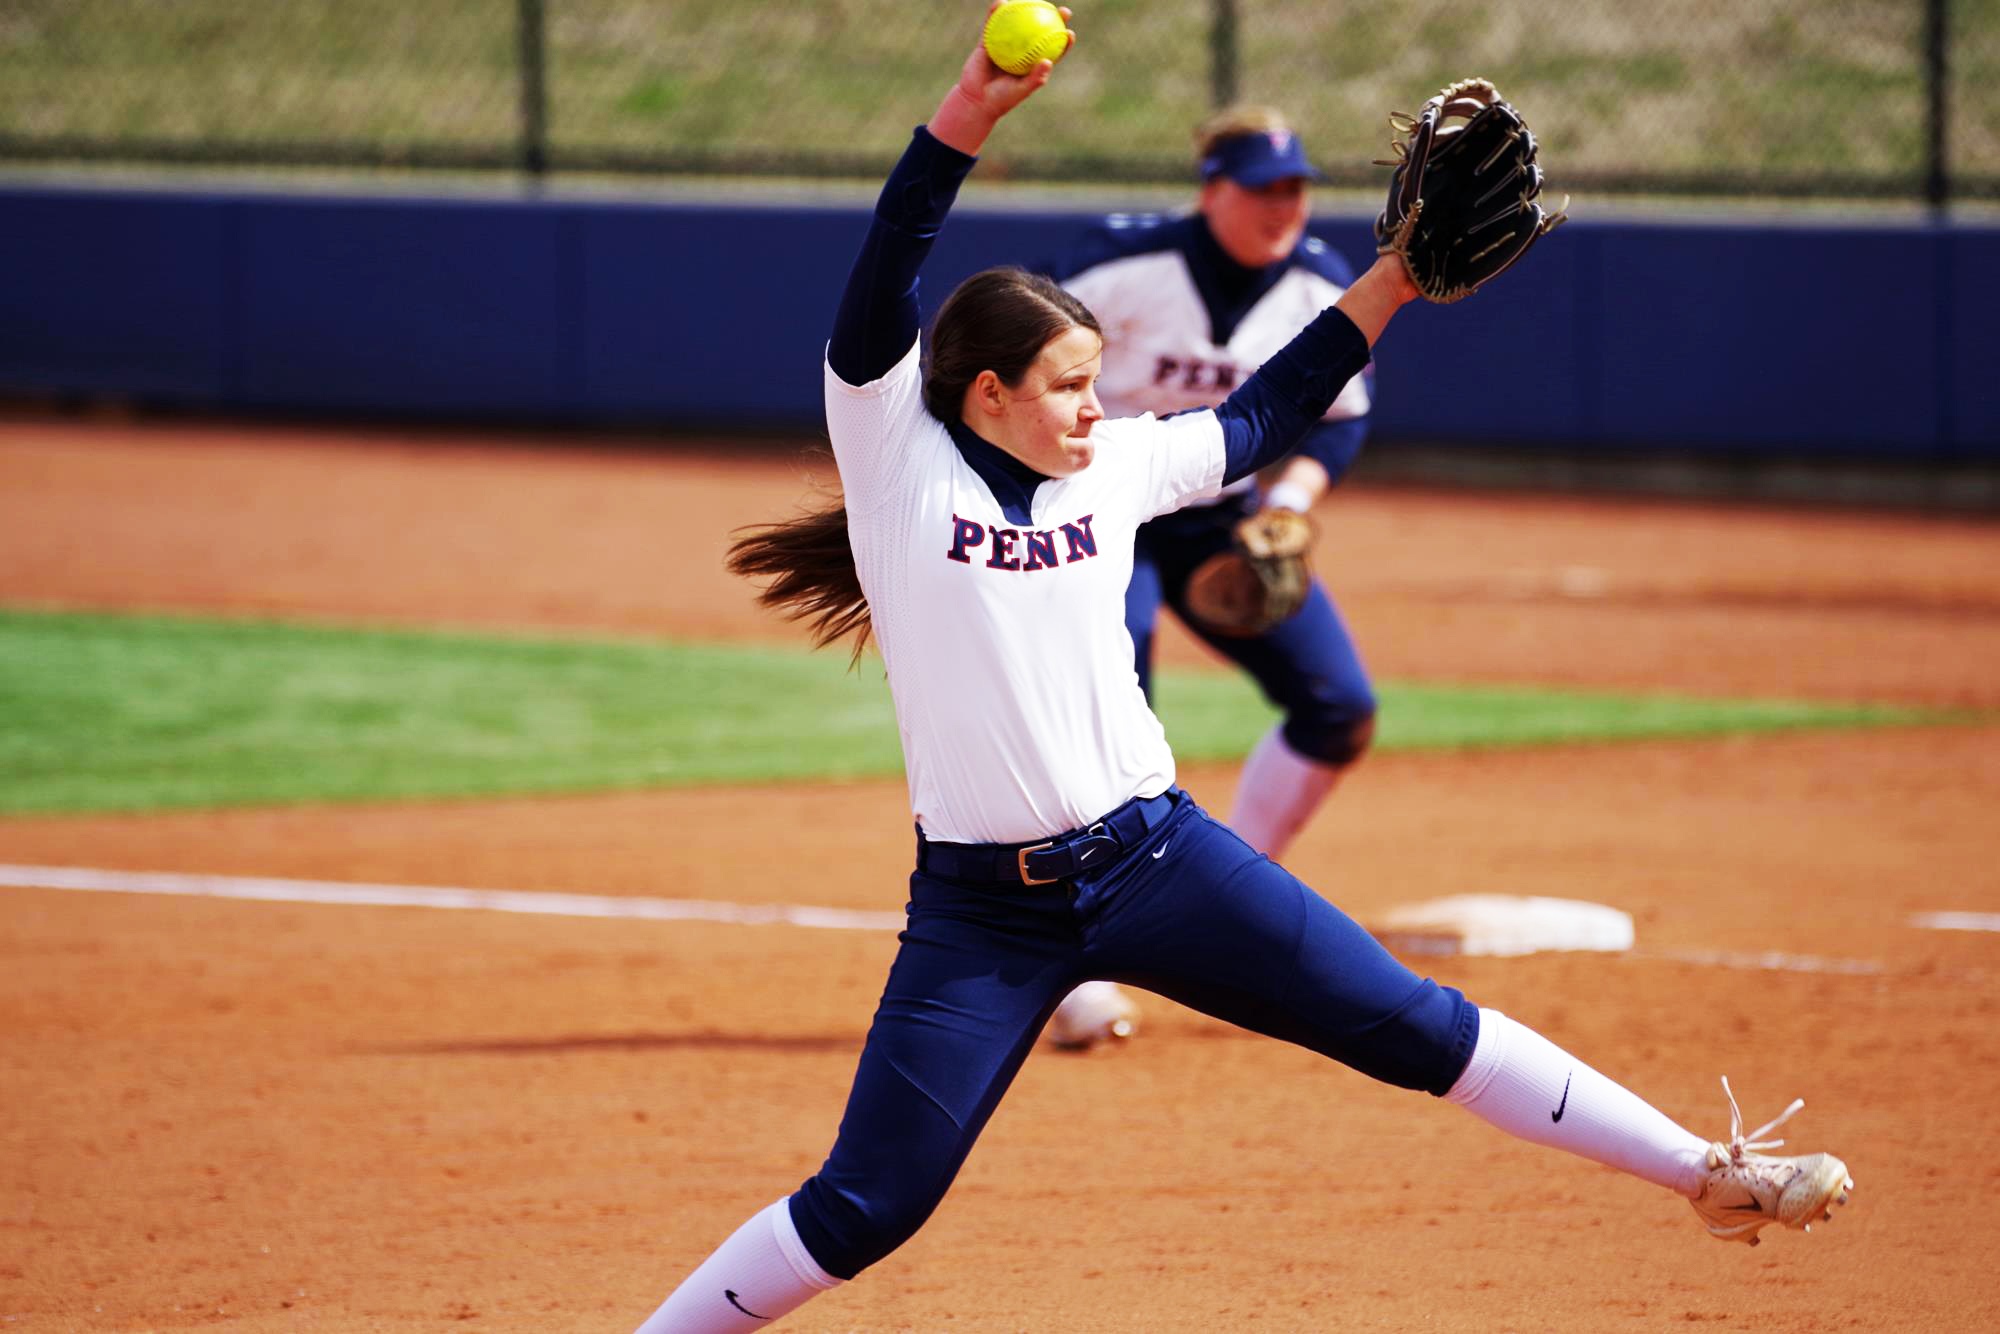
1297	483
1377	295
983	94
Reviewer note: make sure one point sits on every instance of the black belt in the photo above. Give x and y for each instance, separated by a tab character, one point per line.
1053	859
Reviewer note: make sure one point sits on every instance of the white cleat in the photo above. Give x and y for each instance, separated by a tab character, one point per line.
1094	1012
1747	1191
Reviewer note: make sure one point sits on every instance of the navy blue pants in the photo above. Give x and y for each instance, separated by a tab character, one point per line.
1306	665
1192	913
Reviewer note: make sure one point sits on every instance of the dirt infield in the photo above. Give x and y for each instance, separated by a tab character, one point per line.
273	1116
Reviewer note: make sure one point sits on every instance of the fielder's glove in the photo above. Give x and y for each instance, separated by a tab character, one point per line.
1262	579
1463	202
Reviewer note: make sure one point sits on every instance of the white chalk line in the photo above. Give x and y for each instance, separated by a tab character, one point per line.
354	894
1957	921
422	896
1766	961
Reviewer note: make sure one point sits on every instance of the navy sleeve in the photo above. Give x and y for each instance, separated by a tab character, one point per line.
1335	445
879	317
1270	412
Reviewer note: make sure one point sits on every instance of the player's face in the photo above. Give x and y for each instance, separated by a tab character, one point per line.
1258	225
1046	419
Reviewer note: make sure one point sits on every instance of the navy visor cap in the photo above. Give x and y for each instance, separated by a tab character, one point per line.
1255	160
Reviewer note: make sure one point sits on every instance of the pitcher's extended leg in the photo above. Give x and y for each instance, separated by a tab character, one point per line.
1186	921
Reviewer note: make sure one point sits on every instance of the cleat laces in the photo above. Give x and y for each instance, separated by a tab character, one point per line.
1741	1145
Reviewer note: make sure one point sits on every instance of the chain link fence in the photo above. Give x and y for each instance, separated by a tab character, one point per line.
1797	98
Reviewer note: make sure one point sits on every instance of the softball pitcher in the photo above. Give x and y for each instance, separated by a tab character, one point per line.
1190	307
990	514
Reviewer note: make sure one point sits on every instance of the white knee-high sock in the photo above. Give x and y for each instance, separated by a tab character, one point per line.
762	1272
1527	1086
1277	793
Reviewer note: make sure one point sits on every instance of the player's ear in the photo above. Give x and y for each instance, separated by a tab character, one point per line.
986	395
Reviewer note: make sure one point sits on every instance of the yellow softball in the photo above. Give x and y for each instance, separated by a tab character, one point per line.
1023	33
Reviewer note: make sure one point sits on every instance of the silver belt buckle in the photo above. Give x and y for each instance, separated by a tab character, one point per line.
1021	864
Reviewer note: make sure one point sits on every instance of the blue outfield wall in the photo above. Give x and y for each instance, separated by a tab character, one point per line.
1855	342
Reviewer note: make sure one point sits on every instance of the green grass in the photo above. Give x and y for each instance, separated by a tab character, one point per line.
136	713
1710	85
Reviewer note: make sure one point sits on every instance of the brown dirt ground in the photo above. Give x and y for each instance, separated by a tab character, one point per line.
263	1117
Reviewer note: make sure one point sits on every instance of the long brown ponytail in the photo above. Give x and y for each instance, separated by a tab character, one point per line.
997	320
810	571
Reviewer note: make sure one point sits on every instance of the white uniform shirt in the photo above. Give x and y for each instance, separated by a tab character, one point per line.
1019	708
1160	355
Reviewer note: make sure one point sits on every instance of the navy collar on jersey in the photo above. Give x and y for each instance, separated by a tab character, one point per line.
1227	288
1011	481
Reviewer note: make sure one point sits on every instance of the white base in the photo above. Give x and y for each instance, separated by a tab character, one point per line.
1502	925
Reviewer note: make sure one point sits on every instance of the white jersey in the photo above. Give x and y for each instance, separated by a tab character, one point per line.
1160	351
1020	710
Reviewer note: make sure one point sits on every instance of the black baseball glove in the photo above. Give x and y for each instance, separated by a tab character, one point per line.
1262	579
1464	199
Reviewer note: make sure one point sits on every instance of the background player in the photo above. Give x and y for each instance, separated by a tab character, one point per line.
1191	306
989	516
